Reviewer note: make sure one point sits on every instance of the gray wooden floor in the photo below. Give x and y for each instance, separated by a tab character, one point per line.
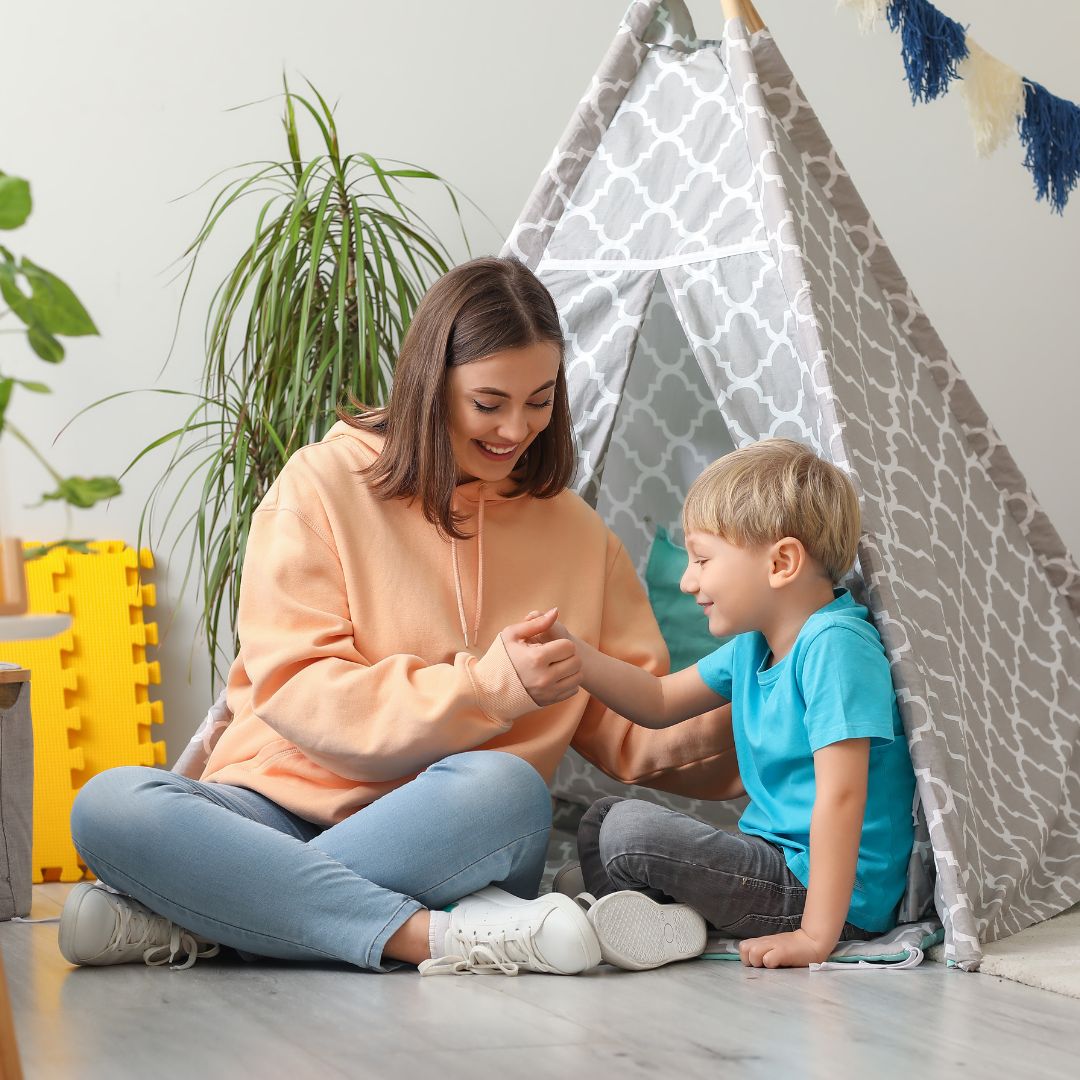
704	1019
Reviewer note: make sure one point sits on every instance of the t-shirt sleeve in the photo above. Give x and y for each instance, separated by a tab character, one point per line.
715	669
847	687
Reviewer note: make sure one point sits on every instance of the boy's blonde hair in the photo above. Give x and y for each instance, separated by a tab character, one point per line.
777	488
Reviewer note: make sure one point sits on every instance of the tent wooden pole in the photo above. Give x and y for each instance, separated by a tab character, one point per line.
743	9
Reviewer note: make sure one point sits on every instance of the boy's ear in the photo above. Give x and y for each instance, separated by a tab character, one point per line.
787	560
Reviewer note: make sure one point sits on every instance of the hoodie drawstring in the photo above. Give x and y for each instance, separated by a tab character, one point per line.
479	577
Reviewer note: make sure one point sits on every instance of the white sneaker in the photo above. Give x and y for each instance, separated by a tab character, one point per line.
637	933
99	926
493	932
568	880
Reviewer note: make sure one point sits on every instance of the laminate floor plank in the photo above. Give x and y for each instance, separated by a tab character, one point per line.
227	1018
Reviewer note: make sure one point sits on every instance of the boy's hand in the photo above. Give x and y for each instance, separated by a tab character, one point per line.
549	668
796	949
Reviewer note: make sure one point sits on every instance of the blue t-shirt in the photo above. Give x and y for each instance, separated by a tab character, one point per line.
833	685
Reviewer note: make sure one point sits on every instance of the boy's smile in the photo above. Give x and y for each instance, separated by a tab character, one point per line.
730	583
770	588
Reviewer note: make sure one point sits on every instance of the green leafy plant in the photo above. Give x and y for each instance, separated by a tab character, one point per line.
48	310
314	307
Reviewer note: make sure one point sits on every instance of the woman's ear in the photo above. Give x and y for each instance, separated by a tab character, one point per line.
787	560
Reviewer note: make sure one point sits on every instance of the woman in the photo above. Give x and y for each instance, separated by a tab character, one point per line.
394	725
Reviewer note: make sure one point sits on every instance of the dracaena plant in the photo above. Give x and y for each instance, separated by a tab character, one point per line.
313	308
48	310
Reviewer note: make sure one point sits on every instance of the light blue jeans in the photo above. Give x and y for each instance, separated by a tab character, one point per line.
236	868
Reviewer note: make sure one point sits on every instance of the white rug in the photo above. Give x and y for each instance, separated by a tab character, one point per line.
1046	955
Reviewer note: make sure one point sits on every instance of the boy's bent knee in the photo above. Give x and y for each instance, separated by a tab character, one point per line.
629	828
600	809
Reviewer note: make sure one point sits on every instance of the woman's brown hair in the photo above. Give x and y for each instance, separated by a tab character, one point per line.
481	307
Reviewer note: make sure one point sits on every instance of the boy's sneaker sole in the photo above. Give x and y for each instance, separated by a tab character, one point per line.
637	933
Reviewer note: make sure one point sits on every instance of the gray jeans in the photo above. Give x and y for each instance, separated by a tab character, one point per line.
739	883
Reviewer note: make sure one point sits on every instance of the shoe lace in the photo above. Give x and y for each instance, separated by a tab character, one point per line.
180	941
139	927
489	956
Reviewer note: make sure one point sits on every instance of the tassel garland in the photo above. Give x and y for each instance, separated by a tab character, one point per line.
1050	132
868	11
936	50
994	94
933	45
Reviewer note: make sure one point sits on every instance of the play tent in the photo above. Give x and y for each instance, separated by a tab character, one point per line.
720	281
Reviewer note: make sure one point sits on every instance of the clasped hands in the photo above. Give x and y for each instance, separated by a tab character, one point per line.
545	657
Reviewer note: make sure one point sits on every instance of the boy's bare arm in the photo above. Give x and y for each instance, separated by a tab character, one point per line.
647	700
840	777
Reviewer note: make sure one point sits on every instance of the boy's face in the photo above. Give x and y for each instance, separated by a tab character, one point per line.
730	583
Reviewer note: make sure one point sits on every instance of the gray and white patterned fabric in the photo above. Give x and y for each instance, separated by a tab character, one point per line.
902	947
720	281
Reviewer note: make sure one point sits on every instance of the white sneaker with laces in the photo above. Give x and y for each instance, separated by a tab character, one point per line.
100	926
637	933
494	932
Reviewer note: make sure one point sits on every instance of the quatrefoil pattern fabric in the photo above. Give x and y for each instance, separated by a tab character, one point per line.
720	281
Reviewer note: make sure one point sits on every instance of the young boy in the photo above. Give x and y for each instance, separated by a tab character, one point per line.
822	848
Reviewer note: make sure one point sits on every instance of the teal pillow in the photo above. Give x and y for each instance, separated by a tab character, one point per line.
684	625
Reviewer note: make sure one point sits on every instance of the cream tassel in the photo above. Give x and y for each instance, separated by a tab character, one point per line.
868	11
994	93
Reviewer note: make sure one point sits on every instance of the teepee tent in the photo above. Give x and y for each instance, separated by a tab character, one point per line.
720	281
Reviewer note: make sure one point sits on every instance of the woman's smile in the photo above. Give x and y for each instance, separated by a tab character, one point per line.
496	451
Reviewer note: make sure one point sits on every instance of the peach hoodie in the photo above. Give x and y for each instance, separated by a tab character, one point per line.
370	647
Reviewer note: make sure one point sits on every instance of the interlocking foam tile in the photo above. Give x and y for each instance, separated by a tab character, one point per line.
106	678
55	713
109	657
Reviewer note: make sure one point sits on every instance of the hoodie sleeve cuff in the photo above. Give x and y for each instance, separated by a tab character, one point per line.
499	691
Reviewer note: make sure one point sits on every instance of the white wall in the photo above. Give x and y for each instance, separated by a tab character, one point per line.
114	109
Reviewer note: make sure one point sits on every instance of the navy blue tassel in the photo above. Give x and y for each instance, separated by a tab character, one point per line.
1050	132
933	45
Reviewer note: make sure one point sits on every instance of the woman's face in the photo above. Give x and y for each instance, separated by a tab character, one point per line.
498	405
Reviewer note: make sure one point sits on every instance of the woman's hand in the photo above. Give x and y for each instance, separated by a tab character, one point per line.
796	949
549	667
556	631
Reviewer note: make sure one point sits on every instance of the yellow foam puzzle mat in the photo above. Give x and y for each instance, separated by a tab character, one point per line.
89	696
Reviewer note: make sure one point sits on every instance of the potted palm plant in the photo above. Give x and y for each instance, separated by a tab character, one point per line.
312	311
48	310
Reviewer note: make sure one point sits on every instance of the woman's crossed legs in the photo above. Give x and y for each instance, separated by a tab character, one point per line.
235	868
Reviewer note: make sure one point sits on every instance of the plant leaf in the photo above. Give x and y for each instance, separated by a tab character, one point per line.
13	296
6	386
15	201
45	345
83	491
55	308
41	550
